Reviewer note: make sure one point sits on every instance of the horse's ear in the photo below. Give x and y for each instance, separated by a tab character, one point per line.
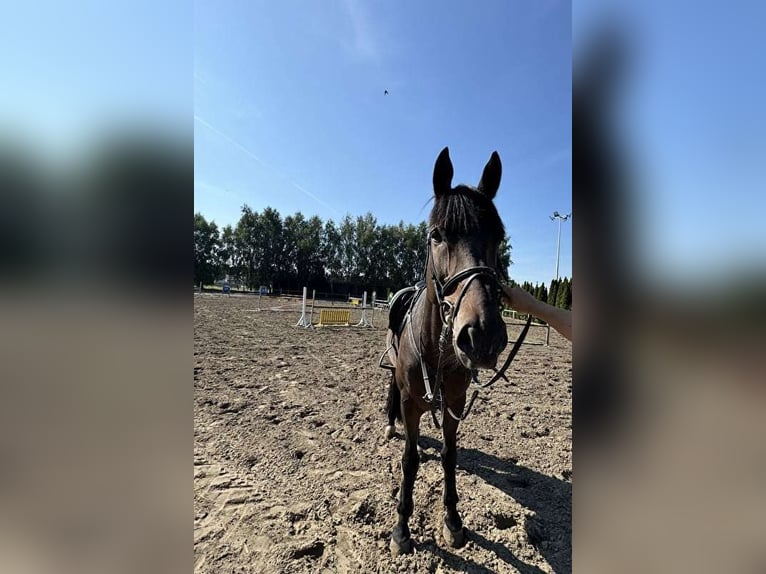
443	173
490	179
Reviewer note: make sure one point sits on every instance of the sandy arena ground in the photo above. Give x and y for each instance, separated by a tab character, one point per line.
292	473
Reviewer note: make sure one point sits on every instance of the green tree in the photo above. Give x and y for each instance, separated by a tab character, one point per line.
302	252
247	237
386	250
504	256
330	251
271	245
366	246
294	259
553	292
564	294
206	251
347	249
414	263
310	244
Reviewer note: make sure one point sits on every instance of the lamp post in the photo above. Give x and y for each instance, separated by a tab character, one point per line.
556	215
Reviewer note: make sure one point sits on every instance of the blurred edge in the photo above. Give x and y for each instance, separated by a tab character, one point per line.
96	197
669	374
95	339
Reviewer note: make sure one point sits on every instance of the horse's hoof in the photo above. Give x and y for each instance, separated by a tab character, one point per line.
455	539
399	548
390	432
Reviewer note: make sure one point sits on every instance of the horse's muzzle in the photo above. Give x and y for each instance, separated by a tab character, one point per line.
478	345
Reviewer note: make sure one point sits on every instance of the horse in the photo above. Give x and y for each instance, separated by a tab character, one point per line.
444	329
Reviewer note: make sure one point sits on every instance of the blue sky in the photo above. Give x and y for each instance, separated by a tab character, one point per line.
291	96
290	111
692	118
73	72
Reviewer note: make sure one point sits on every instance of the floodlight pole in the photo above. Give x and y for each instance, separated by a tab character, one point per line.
556	215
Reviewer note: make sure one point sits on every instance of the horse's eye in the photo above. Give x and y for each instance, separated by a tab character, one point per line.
436	237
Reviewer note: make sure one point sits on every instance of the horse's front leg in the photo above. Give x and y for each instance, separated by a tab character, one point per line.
393	407
452	531
401	543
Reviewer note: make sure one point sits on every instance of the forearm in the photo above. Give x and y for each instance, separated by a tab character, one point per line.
559	319
523	302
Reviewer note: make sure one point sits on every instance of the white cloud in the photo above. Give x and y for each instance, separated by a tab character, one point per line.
363	44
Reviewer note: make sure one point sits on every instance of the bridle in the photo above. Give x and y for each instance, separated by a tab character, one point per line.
448	311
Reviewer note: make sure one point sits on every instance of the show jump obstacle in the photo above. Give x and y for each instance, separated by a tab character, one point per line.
334	316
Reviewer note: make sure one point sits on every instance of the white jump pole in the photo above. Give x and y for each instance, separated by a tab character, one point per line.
372	312
363	322
304	321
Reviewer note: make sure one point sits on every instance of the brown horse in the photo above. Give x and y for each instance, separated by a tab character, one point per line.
444	329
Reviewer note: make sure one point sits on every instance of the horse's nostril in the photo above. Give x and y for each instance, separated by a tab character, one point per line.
473	342
465	340
480	344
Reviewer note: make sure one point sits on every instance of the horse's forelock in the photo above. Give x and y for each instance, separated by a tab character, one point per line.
465	211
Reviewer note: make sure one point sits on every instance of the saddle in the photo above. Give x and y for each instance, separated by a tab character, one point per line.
400	305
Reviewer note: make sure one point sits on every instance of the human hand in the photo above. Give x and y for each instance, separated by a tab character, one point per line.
518	299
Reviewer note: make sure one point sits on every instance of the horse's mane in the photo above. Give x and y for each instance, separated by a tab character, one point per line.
464	210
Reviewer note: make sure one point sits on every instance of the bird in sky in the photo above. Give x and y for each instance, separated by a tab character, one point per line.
385	92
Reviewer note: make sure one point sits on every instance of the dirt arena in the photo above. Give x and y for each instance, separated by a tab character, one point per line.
292	473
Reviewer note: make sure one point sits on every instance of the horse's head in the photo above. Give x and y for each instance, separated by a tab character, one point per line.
465	232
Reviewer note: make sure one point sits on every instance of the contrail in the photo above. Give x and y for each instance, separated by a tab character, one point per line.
263	163
314	197
232	141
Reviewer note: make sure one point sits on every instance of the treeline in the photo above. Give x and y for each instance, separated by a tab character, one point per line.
351	256
559	294
264	249
354	255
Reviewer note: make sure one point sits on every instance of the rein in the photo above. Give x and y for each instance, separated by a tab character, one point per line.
448	311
